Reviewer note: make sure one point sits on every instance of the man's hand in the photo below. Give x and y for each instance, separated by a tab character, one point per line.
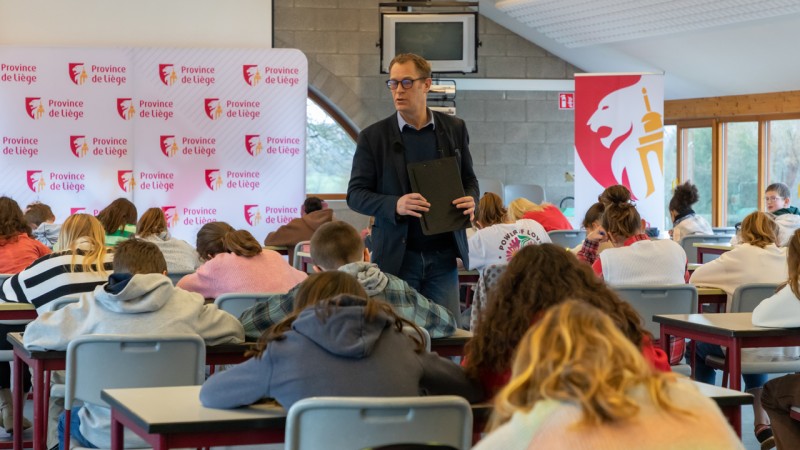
412	205
467	204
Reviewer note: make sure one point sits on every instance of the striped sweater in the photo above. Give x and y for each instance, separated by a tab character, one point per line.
50	277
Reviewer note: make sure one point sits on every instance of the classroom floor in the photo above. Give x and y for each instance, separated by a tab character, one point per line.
750	442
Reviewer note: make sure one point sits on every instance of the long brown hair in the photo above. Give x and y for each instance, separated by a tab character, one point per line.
326	292
538	277
151	222
117	214
490	210
793	259
593	214
12	221
577	354
759	229
219	237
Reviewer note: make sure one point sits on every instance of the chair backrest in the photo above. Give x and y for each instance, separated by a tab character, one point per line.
176	276
724	231
489	277
490	185
532	192
747	296
567	238
235	303
347	423
5	276
664	299
688	243
426	337
97	362
302	246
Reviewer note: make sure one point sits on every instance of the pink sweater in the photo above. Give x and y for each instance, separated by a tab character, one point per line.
227	272
18	254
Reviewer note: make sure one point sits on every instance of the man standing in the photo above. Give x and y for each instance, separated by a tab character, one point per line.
379	185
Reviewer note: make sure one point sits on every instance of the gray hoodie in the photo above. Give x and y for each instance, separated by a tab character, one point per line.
344	355
47	233
143	304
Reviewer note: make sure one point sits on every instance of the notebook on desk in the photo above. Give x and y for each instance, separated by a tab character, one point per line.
439	181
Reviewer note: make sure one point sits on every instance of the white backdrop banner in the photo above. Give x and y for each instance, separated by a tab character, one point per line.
619	131
204	134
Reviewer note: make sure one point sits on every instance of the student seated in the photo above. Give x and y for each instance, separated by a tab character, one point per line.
579	383
777	198
17	248
778	397
313	215
137	300
538	277
235	262
180	255
547	214
595	241
635	259
338	246
82	264
337	342
684	220
498	237
42	222
118	219
757	260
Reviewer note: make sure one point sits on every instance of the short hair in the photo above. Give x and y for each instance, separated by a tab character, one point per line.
422	65
781	188
151	222
37	213
312	204
336	244
137	256
593	214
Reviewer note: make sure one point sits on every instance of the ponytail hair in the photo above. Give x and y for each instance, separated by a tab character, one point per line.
219	237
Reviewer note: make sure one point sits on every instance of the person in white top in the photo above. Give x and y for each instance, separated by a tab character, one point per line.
783	310
756	260
684	220
635	259
610	399
497	240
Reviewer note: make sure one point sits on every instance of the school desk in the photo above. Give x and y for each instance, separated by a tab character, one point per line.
710	248
711	296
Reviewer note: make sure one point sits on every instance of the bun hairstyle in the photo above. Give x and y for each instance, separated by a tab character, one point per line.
621	217
219	237
615	194
684	196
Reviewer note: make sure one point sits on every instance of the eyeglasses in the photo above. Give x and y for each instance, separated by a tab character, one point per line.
406	82
772	199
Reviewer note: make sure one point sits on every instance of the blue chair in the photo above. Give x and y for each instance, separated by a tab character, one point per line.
567	238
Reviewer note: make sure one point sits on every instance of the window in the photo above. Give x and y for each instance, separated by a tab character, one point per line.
670	169
696	145
740	150
784	155
329	153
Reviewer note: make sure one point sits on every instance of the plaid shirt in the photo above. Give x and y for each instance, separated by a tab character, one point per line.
407	302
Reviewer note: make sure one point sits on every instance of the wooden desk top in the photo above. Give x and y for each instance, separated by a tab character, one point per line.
728	324
14	306
178	410
702	290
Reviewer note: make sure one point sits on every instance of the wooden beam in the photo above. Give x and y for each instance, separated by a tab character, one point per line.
771	104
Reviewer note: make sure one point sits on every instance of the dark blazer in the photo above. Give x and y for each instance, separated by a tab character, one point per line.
380	177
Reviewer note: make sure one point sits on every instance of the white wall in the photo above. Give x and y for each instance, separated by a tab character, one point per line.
137	23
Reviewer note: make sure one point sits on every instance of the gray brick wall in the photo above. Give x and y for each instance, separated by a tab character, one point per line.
517	137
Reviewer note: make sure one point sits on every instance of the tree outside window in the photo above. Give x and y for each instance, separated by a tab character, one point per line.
329	153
